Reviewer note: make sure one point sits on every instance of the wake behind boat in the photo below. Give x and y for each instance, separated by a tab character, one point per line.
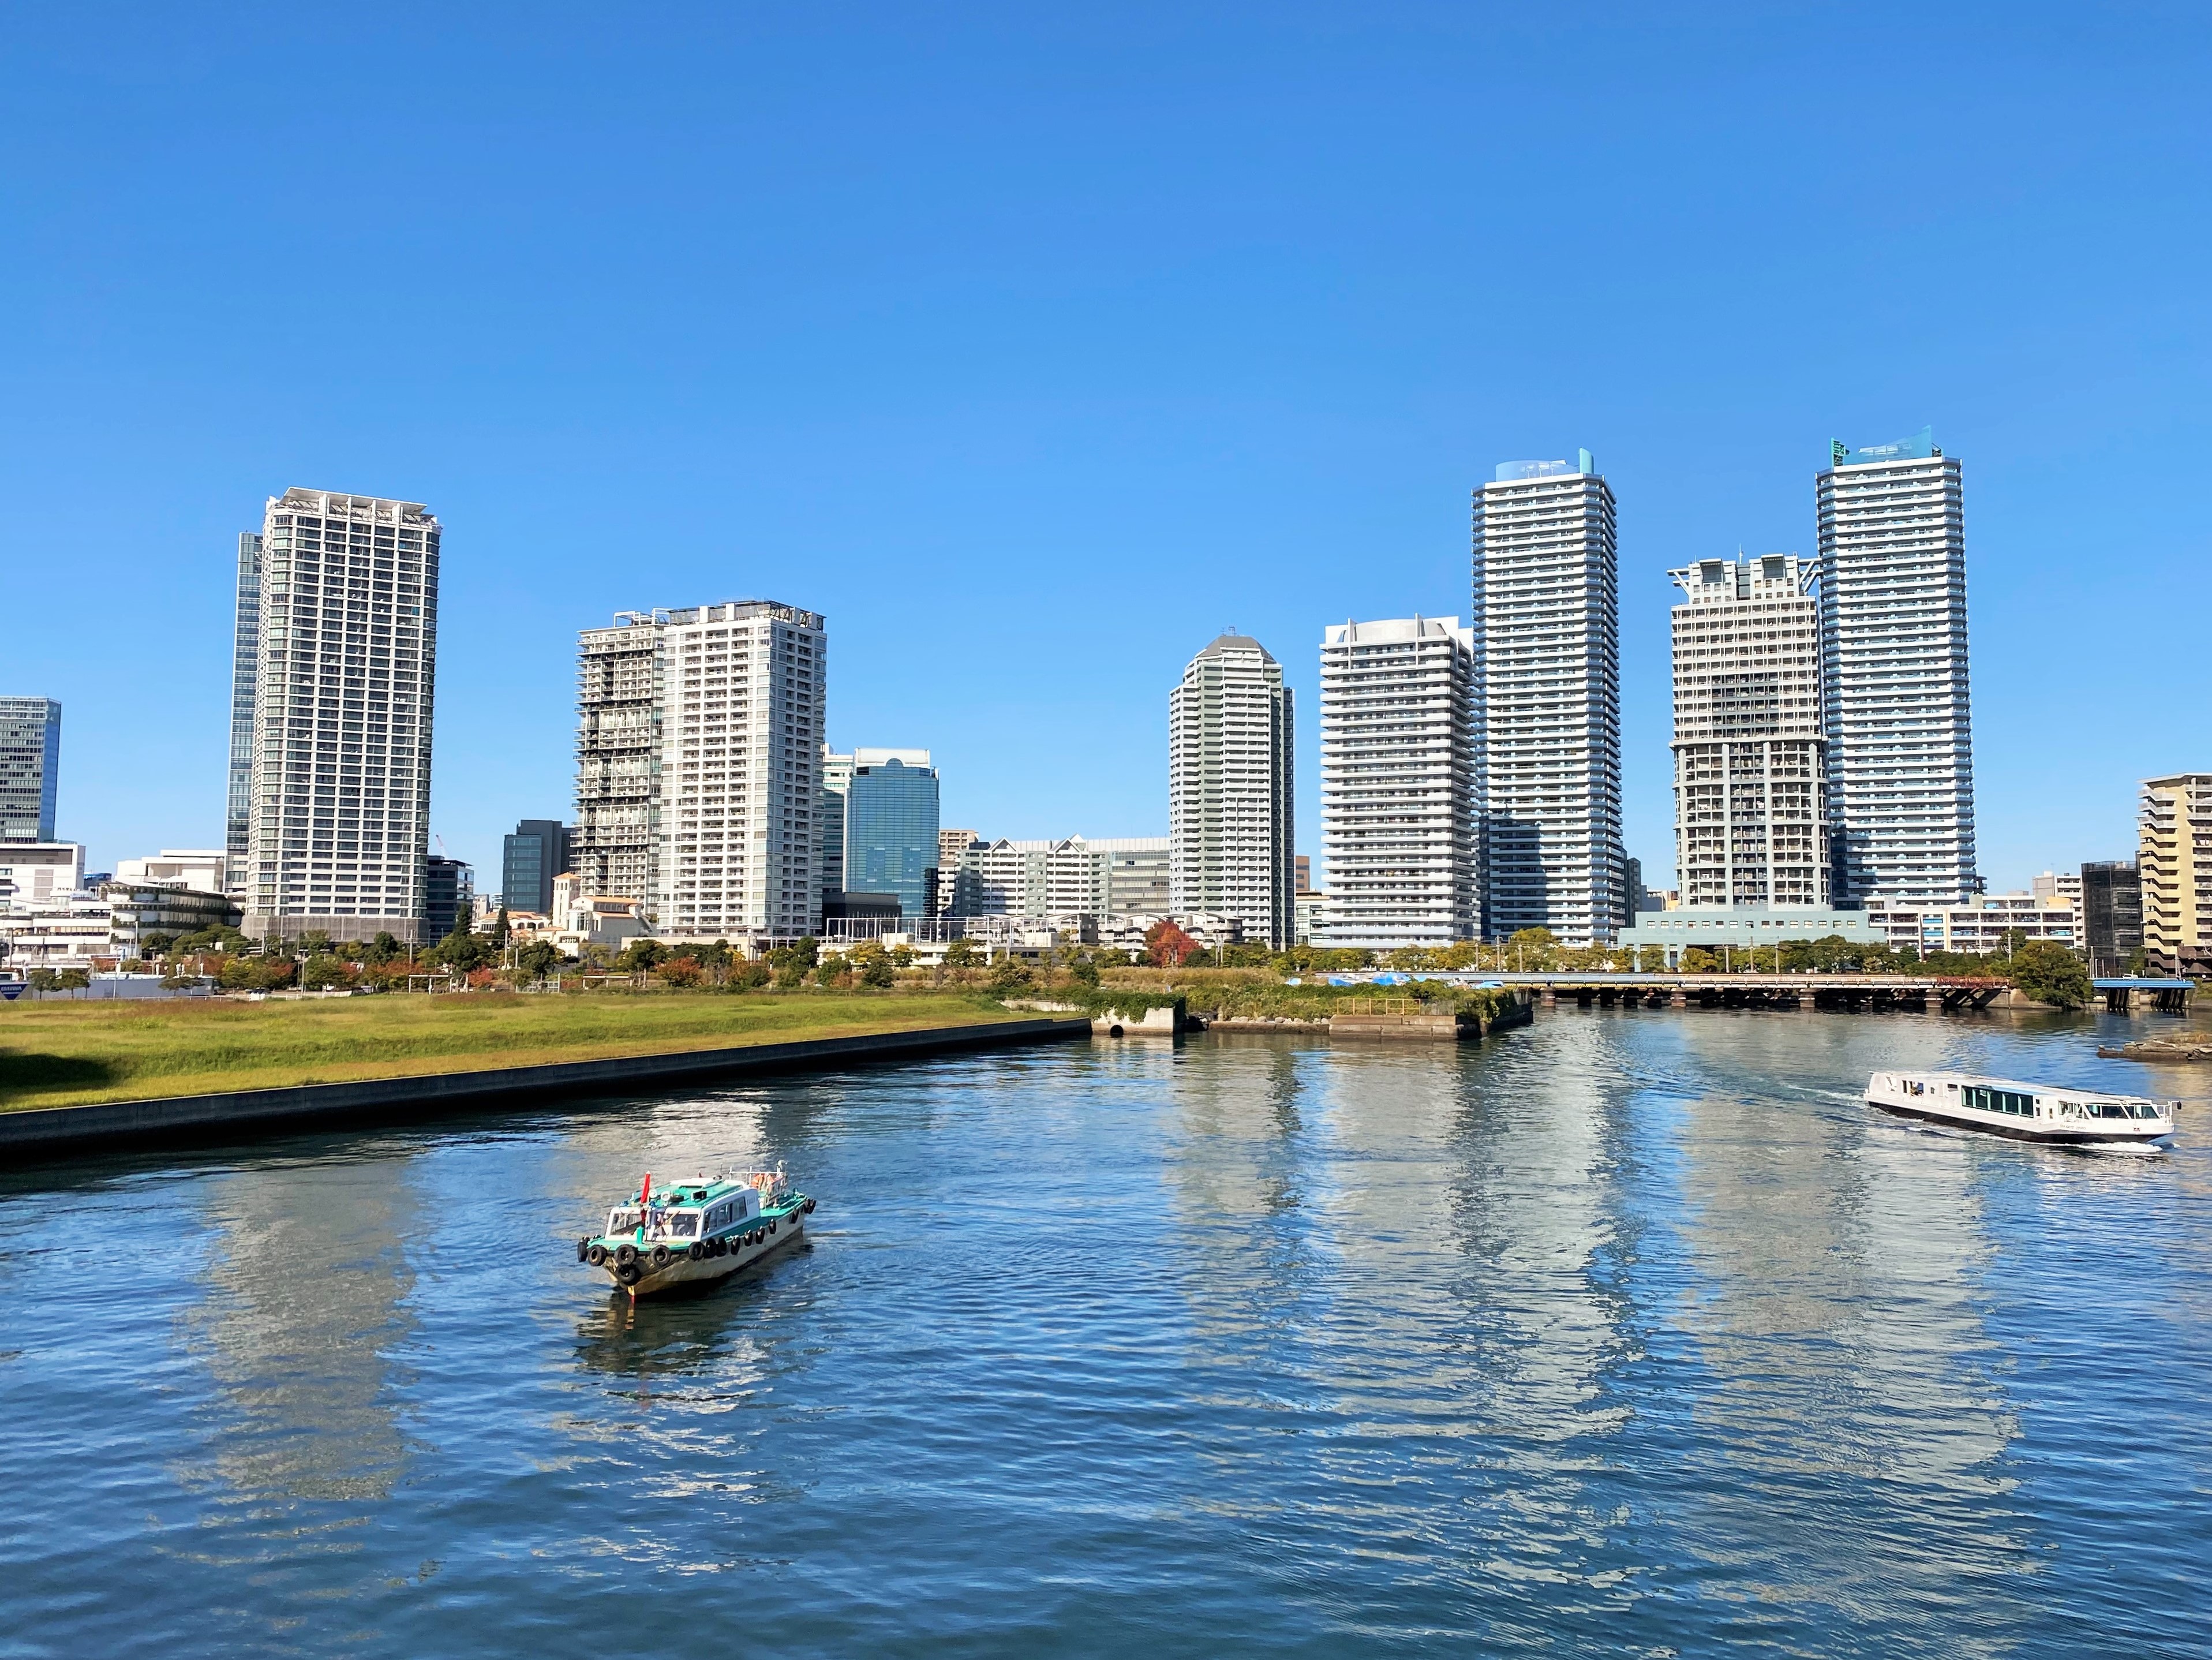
703	1229
2026	1112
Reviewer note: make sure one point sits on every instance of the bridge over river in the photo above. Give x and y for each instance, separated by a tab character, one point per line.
1846	993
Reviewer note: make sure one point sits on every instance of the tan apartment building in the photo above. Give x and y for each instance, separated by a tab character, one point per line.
2175	862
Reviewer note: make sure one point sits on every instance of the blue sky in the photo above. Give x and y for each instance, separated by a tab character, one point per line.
1035	348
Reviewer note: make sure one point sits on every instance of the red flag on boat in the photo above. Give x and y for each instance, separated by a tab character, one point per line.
645	1193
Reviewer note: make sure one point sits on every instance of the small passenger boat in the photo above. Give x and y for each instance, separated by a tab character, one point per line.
2026	1112
702	1229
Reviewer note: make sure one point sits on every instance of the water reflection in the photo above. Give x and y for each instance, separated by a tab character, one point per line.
688	1333
305	1305
1838	1321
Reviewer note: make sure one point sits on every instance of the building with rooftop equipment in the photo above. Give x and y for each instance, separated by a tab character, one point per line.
1229	812
30	768
1546	645
2173	861
1750	753
346	648
530	859
1896	711
699	764
1398	814
2111	915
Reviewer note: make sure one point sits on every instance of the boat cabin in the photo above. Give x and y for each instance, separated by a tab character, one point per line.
688	1211
2060	1114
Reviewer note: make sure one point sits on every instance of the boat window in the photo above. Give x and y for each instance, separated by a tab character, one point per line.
2144	1109
683	1225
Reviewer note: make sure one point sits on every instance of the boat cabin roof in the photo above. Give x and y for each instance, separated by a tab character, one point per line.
1982	1080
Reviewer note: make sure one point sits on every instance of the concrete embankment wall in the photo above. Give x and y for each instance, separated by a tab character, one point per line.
1519	1010
125	1123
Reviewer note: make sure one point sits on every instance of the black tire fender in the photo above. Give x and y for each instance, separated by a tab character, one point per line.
597	1255
660	1256
627	1273
696	1251
626	1254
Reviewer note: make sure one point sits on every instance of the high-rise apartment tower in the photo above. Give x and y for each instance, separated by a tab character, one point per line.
2173	861
1893	644
1229	790
1399	826
1546	630
30	767
698	767
244	677
339	804
1750	823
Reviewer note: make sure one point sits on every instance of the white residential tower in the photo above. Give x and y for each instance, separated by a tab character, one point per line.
699	765
1397	805
1547	648
346	648
1229	790
1893	642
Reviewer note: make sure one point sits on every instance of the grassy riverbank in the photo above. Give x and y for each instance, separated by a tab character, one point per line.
58	1053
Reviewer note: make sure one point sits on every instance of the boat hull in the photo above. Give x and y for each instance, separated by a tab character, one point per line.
681	1272
2054	1137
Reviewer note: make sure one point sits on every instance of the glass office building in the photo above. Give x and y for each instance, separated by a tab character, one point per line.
536	854
448	896
30	767
891	827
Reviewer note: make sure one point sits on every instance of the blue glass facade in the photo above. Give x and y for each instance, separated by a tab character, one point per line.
890	833
536	854
448	897
30	767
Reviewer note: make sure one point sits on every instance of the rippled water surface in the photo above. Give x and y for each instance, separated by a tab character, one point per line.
1629	1332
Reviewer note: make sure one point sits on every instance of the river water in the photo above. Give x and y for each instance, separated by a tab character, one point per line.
1633	1332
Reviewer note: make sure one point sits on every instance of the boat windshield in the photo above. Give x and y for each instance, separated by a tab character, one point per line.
621	1221
671	1224
2145	1109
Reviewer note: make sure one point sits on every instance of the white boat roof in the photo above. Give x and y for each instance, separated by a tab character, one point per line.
1985	1080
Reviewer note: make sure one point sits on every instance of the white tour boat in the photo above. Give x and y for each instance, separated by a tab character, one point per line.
2026	1112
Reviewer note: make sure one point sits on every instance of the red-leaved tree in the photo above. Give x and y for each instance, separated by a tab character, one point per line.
1168	946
